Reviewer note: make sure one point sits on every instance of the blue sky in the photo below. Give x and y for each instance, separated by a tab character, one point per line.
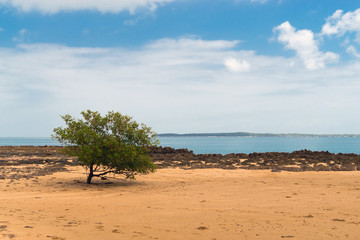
182	66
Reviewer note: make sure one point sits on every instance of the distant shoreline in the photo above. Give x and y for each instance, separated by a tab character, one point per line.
226	134
247	134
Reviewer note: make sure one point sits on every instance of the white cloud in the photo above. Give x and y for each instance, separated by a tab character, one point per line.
340	23
190	43
352	50
112	6
306	47
235	65
179	87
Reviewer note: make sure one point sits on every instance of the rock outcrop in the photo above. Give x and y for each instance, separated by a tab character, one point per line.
37	161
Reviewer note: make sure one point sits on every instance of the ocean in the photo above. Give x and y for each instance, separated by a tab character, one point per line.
225	145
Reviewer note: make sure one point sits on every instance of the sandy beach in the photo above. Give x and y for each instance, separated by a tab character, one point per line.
183	204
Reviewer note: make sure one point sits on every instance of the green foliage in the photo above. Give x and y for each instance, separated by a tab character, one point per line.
111	144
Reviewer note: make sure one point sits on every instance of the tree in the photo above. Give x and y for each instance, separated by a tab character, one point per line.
111	144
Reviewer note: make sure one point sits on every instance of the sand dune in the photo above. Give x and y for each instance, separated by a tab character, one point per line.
183	204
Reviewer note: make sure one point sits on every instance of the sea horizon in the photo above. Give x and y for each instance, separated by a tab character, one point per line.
232	134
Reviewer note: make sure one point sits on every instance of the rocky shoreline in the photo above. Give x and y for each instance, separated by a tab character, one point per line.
18	162
303	160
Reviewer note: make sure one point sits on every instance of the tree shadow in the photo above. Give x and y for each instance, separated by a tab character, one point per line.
97	184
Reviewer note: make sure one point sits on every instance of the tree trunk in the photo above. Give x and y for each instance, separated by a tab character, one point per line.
91	174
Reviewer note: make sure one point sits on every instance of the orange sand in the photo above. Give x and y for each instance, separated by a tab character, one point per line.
183	204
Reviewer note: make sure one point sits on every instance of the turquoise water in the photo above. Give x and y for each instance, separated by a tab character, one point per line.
18	141
226	145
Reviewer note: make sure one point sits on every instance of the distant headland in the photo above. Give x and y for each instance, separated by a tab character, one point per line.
248	134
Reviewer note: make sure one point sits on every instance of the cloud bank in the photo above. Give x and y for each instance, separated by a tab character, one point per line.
187	85
236	65
104	6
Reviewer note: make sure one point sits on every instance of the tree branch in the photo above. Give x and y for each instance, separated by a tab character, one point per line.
104	173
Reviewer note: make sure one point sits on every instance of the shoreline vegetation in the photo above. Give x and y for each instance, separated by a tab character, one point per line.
18	162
